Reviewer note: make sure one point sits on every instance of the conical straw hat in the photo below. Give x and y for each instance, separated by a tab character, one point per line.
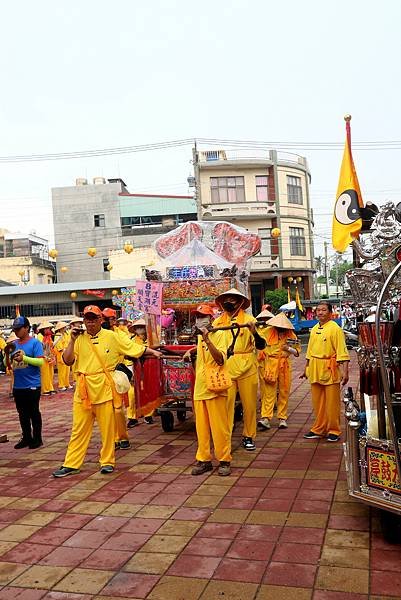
280	320
265	314
233	292
60	325
45	325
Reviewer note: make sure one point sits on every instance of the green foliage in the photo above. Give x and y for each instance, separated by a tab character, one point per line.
276	298
321	279
341	268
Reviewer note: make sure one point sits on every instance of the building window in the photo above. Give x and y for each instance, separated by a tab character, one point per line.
262	191
106	263
265	242
297	241
294	190
227	189
99	221
40	277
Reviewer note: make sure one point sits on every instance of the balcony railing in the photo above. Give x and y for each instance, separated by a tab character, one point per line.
251	154
247	210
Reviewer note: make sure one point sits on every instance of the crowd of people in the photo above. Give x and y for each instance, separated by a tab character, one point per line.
235	356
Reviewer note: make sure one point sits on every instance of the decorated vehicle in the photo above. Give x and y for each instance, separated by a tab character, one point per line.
372	447
198	261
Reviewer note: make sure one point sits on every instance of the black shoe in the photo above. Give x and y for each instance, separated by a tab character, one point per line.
332	437
116	445
64	471
132	423
22	444
248	444
311	436
107	469
149	420
224	469
202	467
124	444
34	445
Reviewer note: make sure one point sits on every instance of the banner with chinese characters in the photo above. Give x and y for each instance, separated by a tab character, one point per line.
382	470
149	295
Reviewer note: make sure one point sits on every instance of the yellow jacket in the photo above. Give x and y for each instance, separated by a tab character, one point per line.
326	348
243	362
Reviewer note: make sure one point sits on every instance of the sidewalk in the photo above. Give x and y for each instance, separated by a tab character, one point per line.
282	527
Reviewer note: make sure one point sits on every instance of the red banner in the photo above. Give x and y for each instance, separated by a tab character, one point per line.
97	293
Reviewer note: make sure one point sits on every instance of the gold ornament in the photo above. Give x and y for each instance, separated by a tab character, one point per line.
347	118
114	293
73	295
92	252
275	232
64	269
53	253
128	247
21	273
109	267
299	279
290	279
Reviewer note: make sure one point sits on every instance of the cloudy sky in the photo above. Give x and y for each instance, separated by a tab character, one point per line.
89	74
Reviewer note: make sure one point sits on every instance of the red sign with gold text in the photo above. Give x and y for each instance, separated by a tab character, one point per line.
382	470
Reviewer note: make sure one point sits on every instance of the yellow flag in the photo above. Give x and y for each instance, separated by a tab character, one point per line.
298	300
288	294
347	220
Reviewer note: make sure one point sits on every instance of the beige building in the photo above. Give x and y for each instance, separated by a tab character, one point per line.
262	191
125	266
24	259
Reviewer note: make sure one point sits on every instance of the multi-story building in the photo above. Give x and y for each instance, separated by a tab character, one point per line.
262	191
24	259
104	216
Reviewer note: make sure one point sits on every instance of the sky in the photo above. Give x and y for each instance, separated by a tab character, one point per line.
89	74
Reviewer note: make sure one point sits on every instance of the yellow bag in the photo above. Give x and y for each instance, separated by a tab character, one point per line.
216	376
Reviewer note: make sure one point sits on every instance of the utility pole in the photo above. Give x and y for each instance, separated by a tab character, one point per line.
337	274
326	272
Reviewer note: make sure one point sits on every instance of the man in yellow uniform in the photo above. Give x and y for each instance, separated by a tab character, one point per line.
110	322
212	414
61	341
242	363
45	336
275	370
96	352
326	367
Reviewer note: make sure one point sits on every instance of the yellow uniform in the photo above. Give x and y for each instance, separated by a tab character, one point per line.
93	397
326	349
274	366
63	370
47	368
211	408
243	371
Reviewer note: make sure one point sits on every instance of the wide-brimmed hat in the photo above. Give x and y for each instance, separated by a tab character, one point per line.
281	321
45	325
60	325
204	309
138	323
265	314
109	312
76	320
233	292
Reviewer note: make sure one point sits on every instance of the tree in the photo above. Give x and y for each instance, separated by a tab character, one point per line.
276	298
339	271
319	264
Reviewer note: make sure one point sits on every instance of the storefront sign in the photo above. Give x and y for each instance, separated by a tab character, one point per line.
382	470
149	297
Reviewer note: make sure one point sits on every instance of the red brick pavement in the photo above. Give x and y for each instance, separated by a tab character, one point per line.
281	527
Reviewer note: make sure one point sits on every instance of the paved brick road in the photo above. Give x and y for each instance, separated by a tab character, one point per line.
282	527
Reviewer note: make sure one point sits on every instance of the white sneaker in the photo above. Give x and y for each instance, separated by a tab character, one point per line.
263	424
282	424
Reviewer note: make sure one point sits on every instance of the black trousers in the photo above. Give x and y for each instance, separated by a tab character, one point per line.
27	403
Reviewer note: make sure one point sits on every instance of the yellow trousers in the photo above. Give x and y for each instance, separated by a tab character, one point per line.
120	425
63	375
326	402
82	425
271	392
212	417
247	387
46	375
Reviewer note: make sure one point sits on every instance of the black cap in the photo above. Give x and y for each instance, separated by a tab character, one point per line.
20	322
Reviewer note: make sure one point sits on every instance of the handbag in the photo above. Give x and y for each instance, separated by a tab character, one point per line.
217	377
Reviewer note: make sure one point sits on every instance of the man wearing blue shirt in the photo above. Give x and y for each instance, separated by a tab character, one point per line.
27	358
